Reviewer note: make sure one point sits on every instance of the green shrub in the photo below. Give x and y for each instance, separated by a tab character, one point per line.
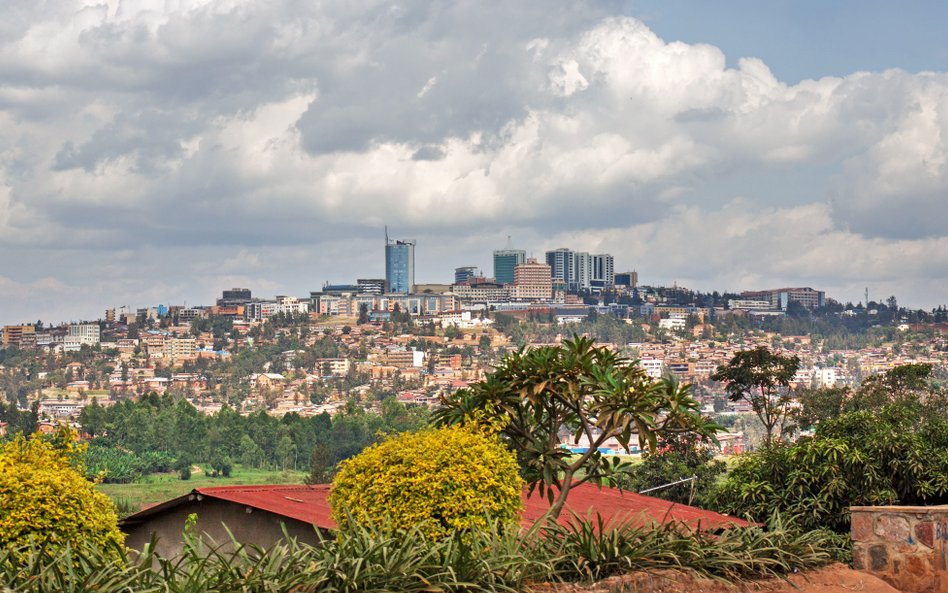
893	456
591	549
443	480
678	457
385	559
116	466
46	500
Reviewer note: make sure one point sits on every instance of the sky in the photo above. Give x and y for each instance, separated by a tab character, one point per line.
160	151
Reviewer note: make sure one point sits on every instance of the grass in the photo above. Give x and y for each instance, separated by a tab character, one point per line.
157	488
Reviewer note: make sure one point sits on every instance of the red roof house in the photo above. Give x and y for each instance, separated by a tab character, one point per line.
259	514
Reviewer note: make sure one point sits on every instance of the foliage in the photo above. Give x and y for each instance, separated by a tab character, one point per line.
761	378
912	385
677	458
441	480
136	438
364	559
591	549
385	559
46	499
896	454
535	396
115	466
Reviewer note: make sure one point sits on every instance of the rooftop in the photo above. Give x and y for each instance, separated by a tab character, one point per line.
310	504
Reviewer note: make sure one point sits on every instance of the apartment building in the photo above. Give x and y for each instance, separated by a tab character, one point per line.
19	335
179	348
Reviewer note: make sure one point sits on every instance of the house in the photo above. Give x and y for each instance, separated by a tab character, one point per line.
253	514
258	514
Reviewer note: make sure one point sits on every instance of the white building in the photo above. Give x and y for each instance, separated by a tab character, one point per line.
653	367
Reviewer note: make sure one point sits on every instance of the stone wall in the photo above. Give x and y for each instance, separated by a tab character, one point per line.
905	546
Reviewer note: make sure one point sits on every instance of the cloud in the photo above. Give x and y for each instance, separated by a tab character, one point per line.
222	133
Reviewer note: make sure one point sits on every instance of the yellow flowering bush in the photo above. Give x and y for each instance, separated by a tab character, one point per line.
441	480
45	496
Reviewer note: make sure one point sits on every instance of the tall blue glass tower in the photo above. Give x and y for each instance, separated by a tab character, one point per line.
399	264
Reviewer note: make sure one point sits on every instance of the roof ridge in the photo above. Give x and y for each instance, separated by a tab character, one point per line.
259	487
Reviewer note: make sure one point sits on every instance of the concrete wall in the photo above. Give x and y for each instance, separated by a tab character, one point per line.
249	526
905	546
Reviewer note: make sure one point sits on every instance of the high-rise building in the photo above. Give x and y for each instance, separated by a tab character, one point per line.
233	297
581	271
603	270
533	281
628	279
399	264
464	274
505	260
561	264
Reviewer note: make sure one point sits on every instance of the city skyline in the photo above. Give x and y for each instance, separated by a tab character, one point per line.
156	152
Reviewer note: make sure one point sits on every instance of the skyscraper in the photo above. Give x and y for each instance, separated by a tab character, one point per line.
463	274
399	264
533	281
579	270
560	262
603	270
505	260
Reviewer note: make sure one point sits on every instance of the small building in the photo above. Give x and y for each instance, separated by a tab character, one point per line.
254	515
258	515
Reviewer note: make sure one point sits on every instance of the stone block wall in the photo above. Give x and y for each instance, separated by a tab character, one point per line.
905	546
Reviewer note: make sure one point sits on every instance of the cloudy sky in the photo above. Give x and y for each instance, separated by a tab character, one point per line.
158	151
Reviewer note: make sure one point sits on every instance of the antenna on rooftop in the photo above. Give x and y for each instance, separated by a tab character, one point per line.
509	245
386	234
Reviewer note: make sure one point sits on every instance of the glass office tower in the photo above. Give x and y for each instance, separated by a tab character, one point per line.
399	264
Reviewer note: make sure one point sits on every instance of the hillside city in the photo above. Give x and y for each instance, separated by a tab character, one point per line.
379	339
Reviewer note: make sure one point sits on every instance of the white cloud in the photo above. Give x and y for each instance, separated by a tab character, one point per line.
219	128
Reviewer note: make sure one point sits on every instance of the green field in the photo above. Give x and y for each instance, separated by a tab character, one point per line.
157	488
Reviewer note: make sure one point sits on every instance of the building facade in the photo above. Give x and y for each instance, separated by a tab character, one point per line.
505	261
780	298
399	264
532	281
603	270
464	274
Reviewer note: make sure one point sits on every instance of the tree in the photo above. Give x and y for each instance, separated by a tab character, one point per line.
47	499
250	453
285	450
677	458
93	419
820	404
579	389
440	480
894	455
762	379
320	465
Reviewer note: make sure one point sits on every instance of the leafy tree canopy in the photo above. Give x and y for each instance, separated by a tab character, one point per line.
537	397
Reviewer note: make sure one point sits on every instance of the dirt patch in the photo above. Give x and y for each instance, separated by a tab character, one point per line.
836	578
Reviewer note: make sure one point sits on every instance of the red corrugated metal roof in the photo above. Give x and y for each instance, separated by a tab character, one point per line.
310	504
612	504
